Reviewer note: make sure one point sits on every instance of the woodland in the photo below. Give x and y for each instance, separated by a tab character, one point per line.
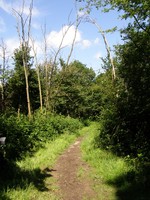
40	101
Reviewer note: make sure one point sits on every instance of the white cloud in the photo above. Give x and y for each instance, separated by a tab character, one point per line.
36	25
12	44
98	55
2	25
17	5
55	38
5	6
97	41
85	43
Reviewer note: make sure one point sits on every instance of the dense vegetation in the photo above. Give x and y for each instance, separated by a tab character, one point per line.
125	101
73	92
26	136
114	177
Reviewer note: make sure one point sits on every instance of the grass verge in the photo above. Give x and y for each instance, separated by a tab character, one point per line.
31	178
114	177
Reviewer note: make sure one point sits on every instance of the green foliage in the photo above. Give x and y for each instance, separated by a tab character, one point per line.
120	178
47	125
125	118
16	85
18	133
125	103
75	92
25	136
136	101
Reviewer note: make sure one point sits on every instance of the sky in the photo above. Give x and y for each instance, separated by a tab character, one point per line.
56	15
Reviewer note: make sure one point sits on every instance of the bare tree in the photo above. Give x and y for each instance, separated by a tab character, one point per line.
51	59
3	71
77	23
46	66
38	73
51	64
106	45
23	29
87	18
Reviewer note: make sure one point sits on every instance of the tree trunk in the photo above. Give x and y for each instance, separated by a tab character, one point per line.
107	47
27	82
38	75
40	89
3	70
24	43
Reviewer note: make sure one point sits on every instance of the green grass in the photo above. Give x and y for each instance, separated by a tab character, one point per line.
31	178
114	177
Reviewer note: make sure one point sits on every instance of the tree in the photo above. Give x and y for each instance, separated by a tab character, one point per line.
134	69
137	10
50	66
125	119
102	32
24	43
16	85
37	65
73	95
106	46
4	73
51	62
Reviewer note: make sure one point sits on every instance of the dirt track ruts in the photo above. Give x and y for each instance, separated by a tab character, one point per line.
71	185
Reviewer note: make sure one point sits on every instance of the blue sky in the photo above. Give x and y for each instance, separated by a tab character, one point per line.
89	44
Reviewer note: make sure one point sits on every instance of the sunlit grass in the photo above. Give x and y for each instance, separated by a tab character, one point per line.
46	156
107	168
32	177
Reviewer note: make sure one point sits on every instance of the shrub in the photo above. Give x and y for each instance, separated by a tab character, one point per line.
24	135
18	135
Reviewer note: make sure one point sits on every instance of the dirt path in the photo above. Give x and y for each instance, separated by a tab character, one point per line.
71	174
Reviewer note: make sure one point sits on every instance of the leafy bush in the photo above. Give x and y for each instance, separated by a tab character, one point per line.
24	135
18	135
48	125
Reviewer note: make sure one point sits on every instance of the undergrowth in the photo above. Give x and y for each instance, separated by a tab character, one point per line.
115	178
24	136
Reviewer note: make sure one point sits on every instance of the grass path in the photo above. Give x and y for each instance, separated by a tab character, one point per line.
115	177
31	179
111	177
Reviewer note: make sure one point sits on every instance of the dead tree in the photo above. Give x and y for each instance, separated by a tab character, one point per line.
77	23
23	29
3	71
50	64
50	61
38	74
89	19
46	66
